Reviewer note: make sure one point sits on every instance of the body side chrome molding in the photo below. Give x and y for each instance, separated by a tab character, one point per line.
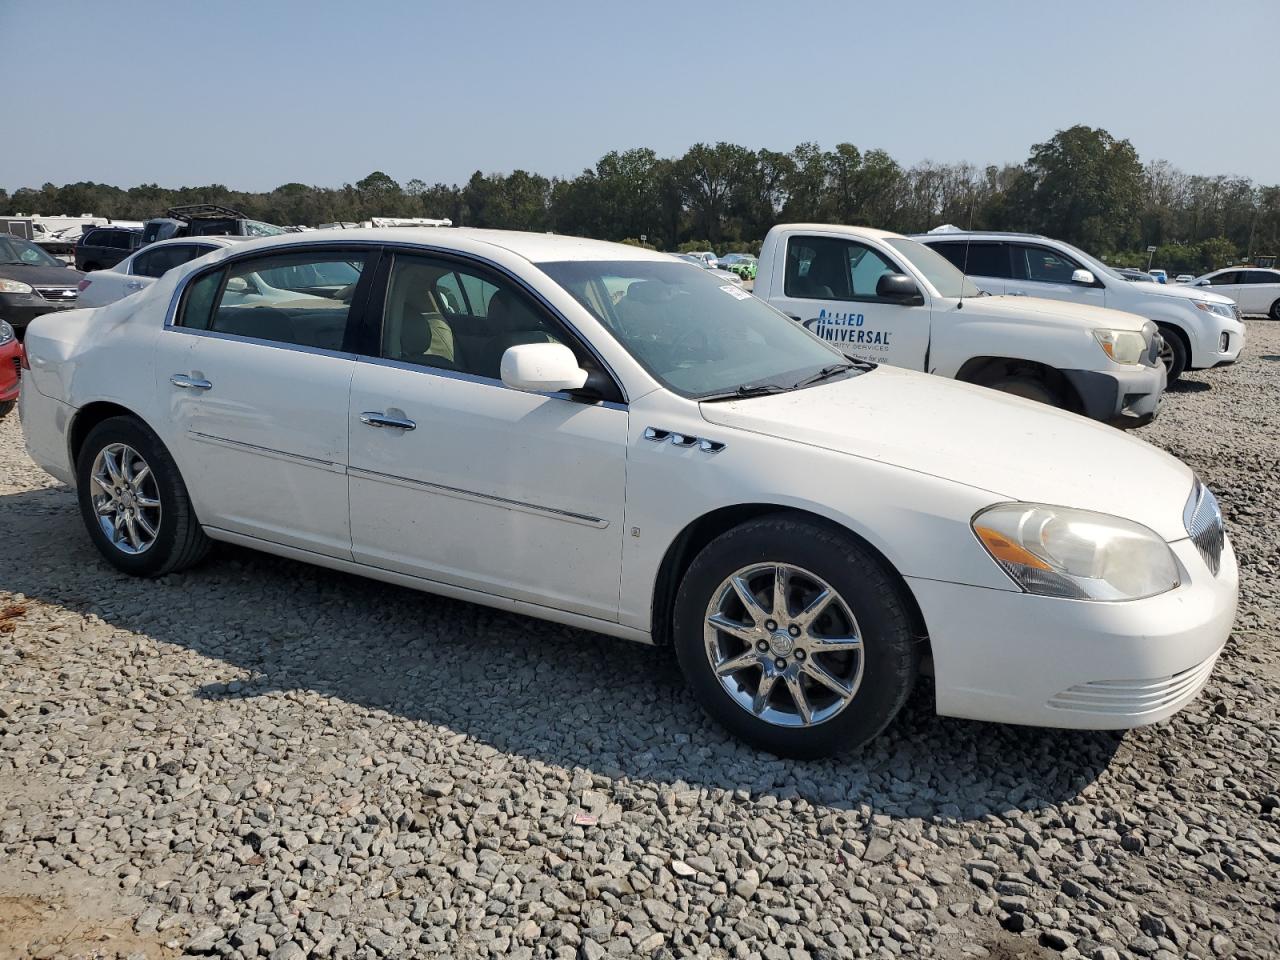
270	452
504	502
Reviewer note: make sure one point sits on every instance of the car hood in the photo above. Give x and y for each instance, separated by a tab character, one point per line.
1036	309
43	276
1015	449
1178	292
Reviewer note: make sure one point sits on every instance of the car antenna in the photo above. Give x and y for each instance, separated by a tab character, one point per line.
968	238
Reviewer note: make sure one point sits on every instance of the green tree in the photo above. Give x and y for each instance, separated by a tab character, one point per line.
1083	186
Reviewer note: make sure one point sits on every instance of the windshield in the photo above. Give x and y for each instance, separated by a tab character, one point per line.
937	269
17	250
696	335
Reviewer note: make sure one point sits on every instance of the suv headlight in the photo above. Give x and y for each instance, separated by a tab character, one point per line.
1076	554
1122	346
14	286
1227	310
6	332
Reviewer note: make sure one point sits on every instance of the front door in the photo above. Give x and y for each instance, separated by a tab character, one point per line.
459	479
1041	272
256	396
830	287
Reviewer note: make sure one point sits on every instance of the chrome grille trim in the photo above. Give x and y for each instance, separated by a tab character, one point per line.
58	294
1203	520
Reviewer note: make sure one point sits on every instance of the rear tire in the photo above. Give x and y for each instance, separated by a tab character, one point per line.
852	663
1274	312
1174	354
137	510
5	407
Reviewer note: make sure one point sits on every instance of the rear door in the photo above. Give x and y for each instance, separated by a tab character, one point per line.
256	394
985	262
830	287
1260	289
1044	272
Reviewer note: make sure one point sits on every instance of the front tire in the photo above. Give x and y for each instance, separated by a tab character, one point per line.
1029	388
795	637
1174	353
5	407
134	502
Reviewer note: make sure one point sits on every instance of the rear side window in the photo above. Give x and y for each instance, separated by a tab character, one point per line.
158	262
310	308
979	259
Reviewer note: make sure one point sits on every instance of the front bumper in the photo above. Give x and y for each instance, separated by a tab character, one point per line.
1011	657
21	308
1123	397
10	370
1221	346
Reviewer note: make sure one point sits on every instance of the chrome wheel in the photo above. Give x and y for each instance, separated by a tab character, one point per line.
784	645
1166	353
126	499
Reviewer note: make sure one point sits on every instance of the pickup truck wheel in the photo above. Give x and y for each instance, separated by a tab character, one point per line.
794	637
1275	310
1029	387
134	502
1173	353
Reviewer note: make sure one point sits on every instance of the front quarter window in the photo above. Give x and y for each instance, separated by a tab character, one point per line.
696	335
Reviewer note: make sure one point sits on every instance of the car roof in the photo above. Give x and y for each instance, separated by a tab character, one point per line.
962	234
534	247
842	228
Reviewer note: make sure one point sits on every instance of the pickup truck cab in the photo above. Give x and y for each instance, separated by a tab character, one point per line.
1200	328
884	297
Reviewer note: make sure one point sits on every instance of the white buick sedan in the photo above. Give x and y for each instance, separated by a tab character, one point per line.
609	438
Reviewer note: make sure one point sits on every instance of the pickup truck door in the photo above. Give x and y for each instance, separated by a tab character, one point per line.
829	285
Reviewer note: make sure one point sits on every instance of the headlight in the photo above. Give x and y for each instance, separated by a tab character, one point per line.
14	286
1122	346
1227	310
1076	554
6	332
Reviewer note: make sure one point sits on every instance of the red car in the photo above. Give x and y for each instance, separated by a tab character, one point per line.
10	367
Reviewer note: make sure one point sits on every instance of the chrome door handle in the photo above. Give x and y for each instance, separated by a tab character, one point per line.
188	383
376	418
1017	293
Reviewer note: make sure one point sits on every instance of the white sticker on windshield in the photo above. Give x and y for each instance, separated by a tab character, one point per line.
736	292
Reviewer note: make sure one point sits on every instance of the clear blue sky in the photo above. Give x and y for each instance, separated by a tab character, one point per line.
255	94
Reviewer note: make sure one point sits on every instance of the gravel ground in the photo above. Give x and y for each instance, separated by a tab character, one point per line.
262	759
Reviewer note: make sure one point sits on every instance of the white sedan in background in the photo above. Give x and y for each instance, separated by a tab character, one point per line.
141	269
1256	290
597	435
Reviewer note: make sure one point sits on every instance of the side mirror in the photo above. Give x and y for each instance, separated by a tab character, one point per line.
899	288
1203	283
541	368
1083	277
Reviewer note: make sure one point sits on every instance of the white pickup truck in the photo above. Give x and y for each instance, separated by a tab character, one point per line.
887	298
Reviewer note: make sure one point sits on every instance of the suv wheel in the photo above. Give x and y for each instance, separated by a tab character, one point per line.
1173	353
794	637
134	502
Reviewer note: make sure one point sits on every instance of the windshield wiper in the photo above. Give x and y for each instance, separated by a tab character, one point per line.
826	373
744	391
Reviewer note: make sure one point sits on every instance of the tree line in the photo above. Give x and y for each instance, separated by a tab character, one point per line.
1082	185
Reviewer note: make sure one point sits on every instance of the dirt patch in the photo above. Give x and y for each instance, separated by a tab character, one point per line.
36	926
